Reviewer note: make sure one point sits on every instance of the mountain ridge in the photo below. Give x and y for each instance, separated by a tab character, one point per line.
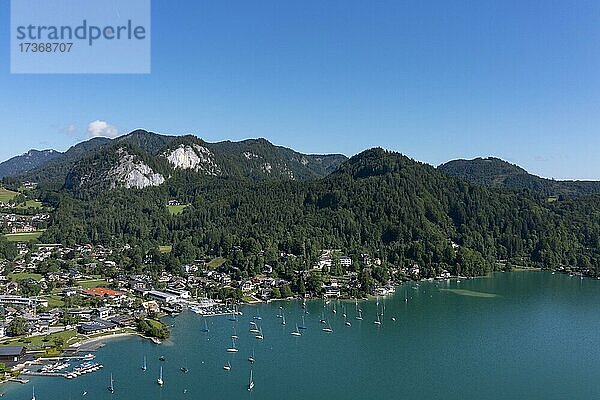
167	156
26	162
495	172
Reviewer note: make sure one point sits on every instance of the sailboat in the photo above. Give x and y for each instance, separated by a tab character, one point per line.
160	378
347	321
323	320
359	315
358	311
184	369
260	334
144	365
378	320
302	326
282	319
251	383
33	394
235	335
251	358
227	366
232	349
257	316
328	328
205	329
296	332
111	386
253	327
233	315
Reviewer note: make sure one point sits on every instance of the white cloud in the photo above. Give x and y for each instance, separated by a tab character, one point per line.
102	128
70	130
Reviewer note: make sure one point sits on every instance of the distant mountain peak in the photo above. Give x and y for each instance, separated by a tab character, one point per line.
495	172
26	162
170	156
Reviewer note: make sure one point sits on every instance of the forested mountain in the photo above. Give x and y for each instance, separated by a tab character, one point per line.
499	173
250	201
378	202
26	162
52	173
142	159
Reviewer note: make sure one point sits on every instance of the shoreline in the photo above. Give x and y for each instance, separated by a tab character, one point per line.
77	345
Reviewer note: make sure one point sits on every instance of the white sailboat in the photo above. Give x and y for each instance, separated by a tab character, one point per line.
359	315
253	327
160	378
251	358
378	320
296	332
260	334
111	386
235	335
144	365
302	326
328	328
282	319
33	393
205	329
358	311
232	349
227	366
251	383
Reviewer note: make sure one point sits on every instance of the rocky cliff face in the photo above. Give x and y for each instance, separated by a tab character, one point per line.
194	157
130	173
121	170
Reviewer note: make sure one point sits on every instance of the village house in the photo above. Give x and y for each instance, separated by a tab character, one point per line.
105	293
11	354
345	261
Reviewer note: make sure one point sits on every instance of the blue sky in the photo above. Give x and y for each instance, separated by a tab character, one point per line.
435	80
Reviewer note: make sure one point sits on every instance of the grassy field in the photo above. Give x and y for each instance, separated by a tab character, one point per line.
39	342
54	300
23	237
216	263
33	204
471	293
24	275
165	249
6	195
176	210
93	283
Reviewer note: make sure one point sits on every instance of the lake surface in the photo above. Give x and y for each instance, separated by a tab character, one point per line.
530	335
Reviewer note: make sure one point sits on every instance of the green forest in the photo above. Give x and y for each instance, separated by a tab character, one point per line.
378	202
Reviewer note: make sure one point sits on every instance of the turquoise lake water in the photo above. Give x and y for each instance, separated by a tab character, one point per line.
520	335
